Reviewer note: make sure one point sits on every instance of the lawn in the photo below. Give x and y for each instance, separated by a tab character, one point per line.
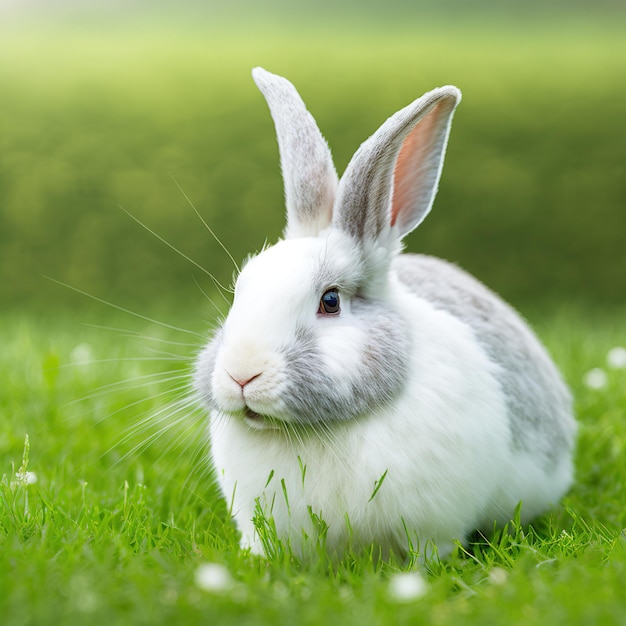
124	525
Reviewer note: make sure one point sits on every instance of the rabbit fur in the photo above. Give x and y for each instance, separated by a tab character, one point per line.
421	409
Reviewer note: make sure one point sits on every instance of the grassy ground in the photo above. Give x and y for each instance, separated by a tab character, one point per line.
123	520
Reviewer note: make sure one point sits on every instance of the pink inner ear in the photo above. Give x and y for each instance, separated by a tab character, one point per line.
411	180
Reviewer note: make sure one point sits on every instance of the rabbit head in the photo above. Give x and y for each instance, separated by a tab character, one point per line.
313	334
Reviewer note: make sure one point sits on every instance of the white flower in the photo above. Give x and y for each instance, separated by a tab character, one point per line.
595	378
213	577
406	587
82	354
25	478
616	357
498	576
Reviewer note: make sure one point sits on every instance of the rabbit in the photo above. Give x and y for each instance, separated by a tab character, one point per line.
391	395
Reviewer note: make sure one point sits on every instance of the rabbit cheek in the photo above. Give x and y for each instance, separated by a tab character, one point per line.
352	370
203	373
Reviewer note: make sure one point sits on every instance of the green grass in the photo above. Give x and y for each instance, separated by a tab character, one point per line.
114	531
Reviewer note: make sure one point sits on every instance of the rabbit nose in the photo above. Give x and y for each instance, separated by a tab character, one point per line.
243	380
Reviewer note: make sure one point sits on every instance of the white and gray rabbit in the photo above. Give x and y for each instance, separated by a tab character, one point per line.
393	395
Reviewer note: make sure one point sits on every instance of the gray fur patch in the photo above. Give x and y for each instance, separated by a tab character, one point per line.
205	364
361	207
538	401
313	395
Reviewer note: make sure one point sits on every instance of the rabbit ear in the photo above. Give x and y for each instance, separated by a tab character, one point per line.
389	185
309	175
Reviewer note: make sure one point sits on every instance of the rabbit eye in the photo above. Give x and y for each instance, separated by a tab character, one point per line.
329	303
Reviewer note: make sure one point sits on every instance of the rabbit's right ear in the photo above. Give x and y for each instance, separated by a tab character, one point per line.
309	175
389	185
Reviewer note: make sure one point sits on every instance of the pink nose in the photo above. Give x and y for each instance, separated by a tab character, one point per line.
243	381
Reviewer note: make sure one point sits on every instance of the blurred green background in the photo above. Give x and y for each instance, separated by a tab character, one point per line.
108	105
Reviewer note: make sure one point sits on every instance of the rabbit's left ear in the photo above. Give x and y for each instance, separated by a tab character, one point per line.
309	175
389	185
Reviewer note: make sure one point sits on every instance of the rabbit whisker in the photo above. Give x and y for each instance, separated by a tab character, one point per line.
146	380
216	282
195	210
123	309
132	334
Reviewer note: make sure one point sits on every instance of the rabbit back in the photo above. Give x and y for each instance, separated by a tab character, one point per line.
539	405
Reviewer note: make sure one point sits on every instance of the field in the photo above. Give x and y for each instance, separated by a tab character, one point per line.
123	518
108	512
92	120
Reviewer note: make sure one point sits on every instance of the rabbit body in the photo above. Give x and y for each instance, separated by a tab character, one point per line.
391	395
